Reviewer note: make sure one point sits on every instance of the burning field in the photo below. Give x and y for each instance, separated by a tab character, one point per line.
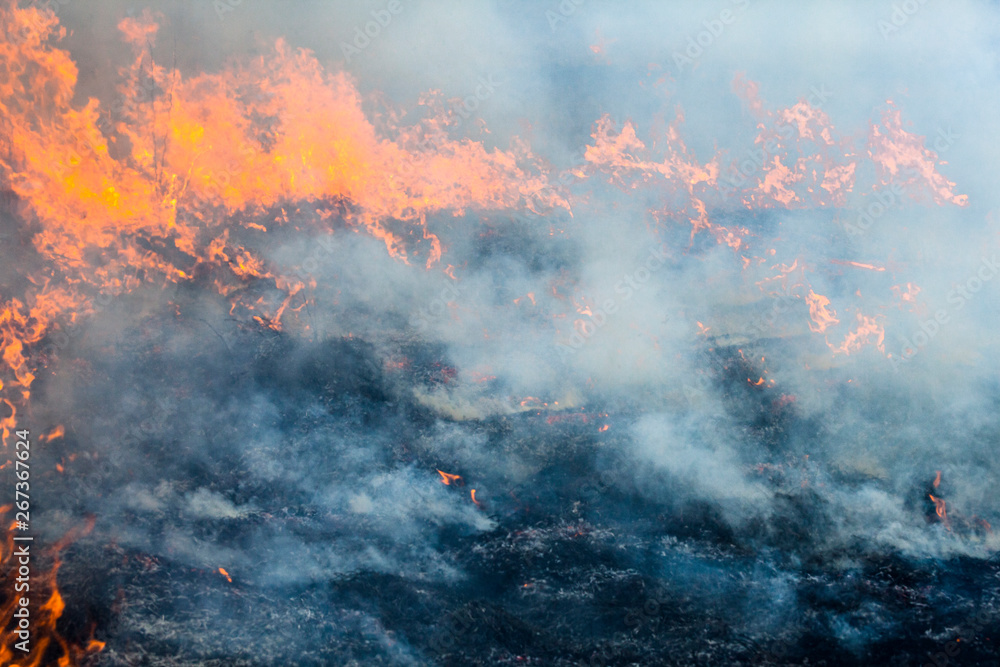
499	333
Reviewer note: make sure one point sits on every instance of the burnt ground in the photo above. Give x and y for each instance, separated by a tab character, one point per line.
241	449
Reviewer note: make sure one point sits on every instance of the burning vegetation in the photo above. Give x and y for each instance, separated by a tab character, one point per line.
329	378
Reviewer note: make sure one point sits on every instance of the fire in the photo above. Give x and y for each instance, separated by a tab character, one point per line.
157	213
907	296
939	504
900	157
532	402
869	330
860	265
447	479
529	295
57	432
621	153
798	159
45	618
789	277
939	509
821	317
160	188
146	191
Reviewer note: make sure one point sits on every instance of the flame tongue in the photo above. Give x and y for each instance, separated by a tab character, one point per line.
45	619
447	479
940	510
194	152
151	195
821	317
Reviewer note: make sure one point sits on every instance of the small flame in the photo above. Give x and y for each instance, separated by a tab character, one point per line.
531	401
225	574
859	265
869	329
473	494
821	317
940	510
447	479
57	432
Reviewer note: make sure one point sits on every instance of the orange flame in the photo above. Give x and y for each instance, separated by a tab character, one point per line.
939	509
869	329
900	158
821	317
860	265
157	210
448	479
55	433
45	619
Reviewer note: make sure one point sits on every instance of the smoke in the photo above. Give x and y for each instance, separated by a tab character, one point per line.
642	360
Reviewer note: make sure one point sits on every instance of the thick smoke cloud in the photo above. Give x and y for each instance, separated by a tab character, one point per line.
311	455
